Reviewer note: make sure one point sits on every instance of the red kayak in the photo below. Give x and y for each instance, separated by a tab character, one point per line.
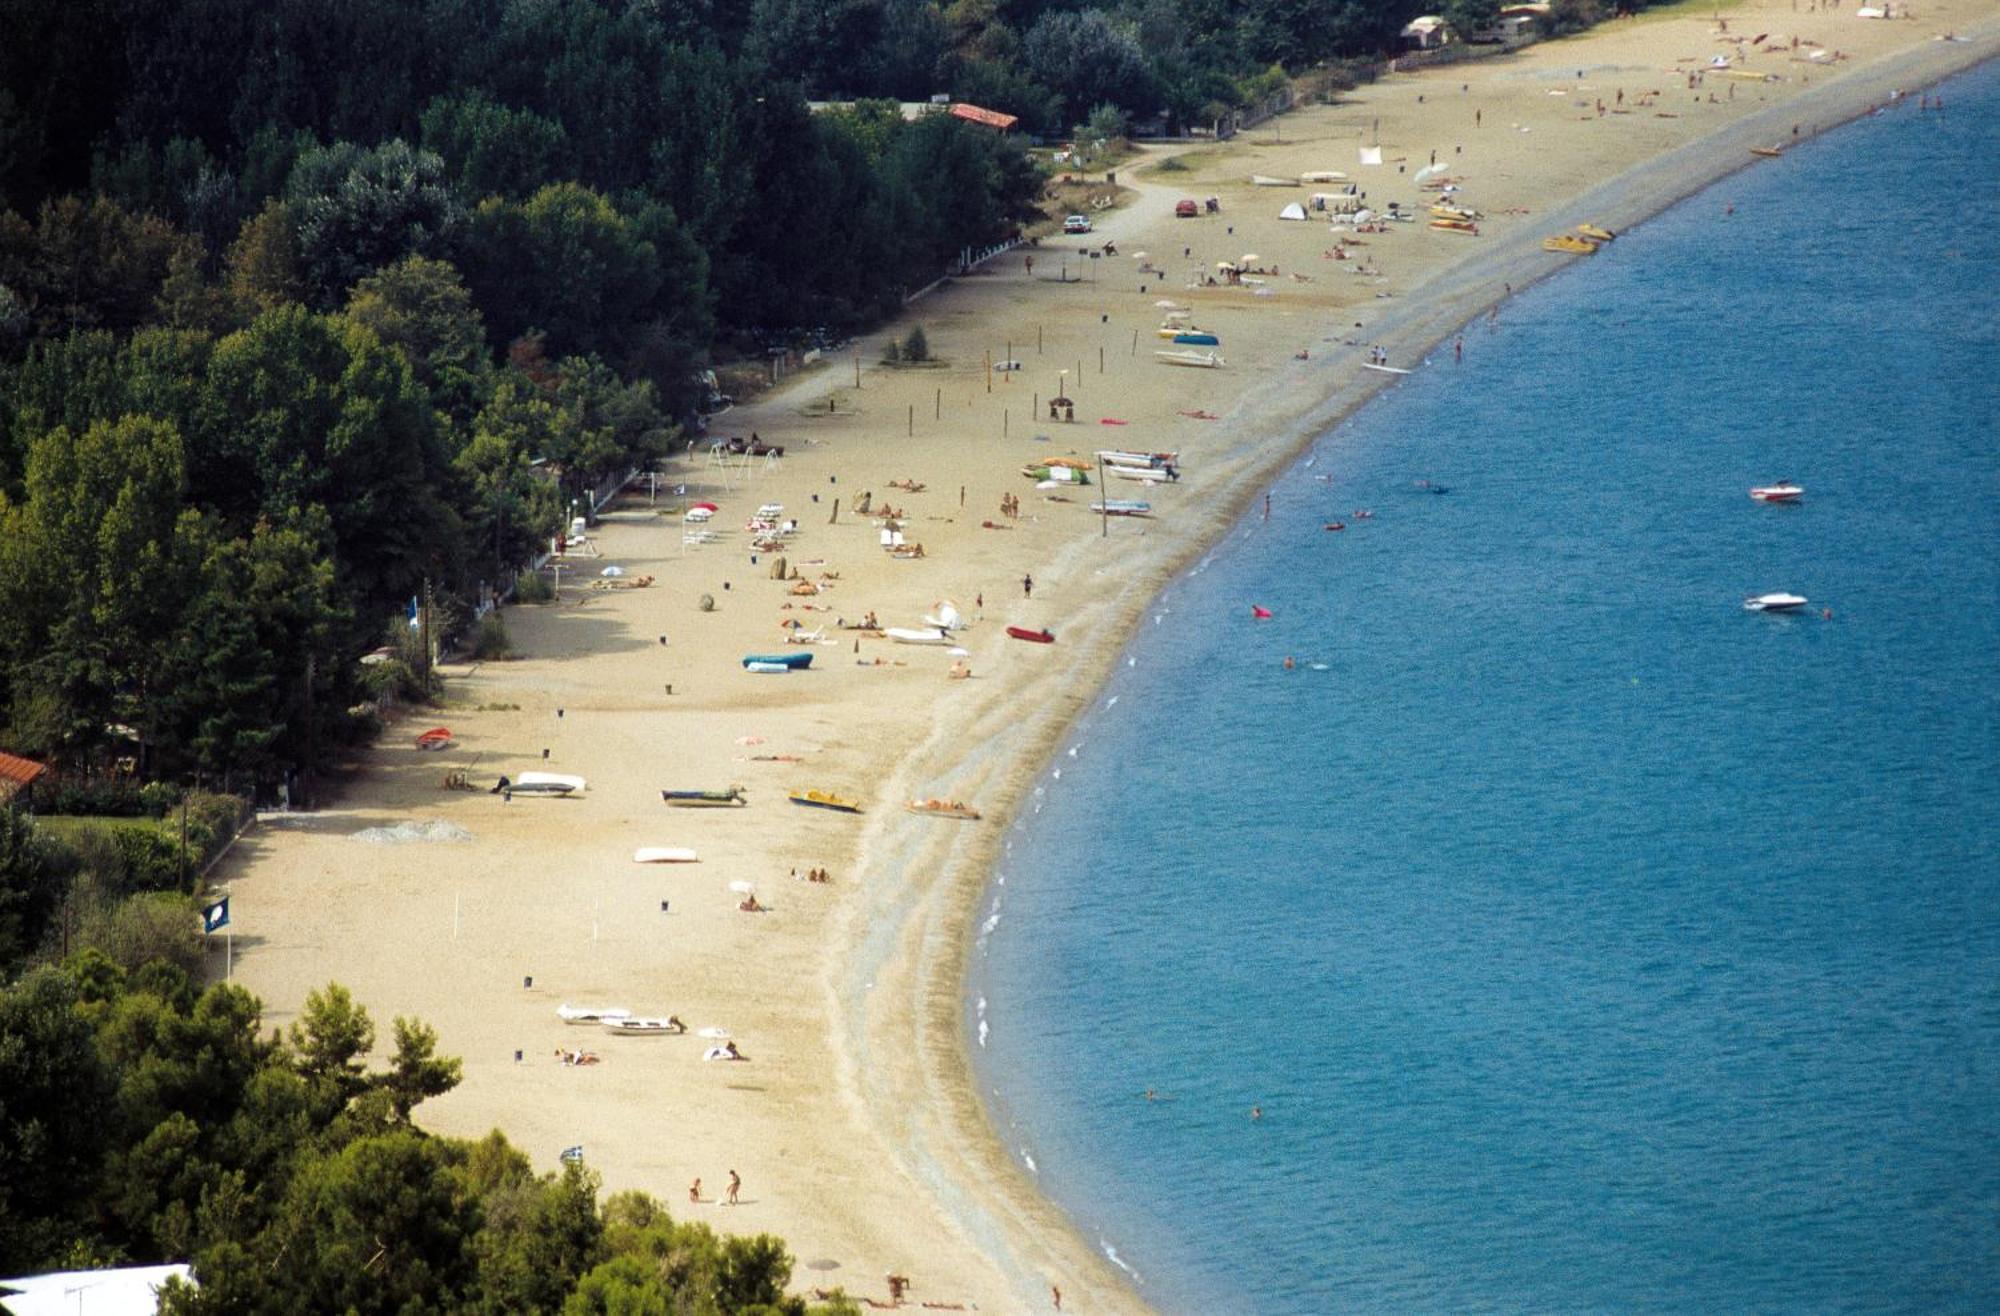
435	738
1034	637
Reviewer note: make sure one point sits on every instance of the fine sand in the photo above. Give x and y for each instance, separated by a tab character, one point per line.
854	1123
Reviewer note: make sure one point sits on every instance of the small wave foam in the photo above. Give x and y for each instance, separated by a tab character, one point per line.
1111	1255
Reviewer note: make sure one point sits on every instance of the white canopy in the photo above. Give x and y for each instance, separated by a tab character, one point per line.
1293	211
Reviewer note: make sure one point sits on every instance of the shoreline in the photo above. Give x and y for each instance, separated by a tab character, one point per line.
1847	100
859	1123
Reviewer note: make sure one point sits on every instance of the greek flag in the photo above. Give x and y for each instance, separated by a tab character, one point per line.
215	916
573	1155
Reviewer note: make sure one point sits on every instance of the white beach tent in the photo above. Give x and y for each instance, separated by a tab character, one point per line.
1293	211
1371	155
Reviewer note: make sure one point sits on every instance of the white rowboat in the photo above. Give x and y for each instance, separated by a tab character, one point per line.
1204	360
662	854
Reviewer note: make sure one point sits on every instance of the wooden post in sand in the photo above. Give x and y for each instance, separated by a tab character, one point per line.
937	406
1135	342
1003	422
1100	360
913	418
1038	340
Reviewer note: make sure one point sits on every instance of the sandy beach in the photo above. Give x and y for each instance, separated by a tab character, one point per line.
854	1122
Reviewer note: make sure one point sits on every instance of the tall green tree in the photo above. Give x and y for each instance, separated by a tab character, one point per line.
358	209
421	307
54	1096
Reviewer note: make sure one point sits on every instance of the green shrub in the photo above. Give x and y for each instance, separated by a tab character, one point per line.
393	679
141	929
489	639
105	797
916	347
530	587
157	797
152	858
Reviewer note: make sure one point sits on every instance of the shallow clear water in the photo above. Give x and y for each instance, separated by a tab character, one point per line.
1588	942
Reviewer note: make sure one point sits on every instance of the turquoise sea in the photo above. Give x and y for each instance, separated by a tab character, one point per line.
1588	942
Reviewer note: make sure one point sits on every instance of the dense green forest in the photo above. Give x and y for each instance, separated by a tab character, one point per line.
306	309
141	1119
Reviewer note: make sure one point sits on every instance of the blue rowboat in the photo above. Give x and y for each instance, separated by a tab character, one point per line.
797	662
1198	339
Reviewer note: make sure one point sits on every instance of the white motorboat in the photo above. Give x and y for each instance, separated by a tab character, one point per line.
589	1014
1143	474
1123	507
907	635
1203	360
1152	460
1778	602
644	1026
663	854
553	782
1782	492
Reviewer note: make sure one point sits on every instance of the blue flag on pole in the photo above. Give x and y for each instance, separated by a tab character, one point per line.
573	1155
215	916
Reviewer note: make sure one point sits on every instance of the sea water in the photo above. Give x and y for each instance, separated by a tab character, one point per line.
1586	941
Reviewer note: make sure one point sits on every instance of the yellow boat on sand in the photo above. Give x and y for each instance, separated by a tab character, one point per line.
1574	245
824	800
1596	234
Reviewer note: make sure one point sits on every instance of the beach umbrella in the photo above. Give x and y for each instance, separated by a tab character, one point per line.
612	571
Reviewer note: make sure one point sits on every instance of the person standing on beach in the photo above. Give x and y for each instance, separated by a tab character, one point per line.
694	1191
1055	1296
1027	587
735	1182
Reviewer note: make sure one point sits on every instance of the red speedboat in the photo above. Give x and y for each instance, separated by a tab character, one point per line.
1033	637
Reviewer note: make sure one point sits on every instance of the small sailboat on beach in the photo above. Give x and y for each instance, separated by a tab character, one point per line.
732	798
818	799
555	785
1200	360
663	854
646	1026
796	662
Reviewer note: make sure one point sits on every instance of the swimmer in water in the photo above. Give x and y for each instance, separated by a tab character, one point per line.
1289	665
